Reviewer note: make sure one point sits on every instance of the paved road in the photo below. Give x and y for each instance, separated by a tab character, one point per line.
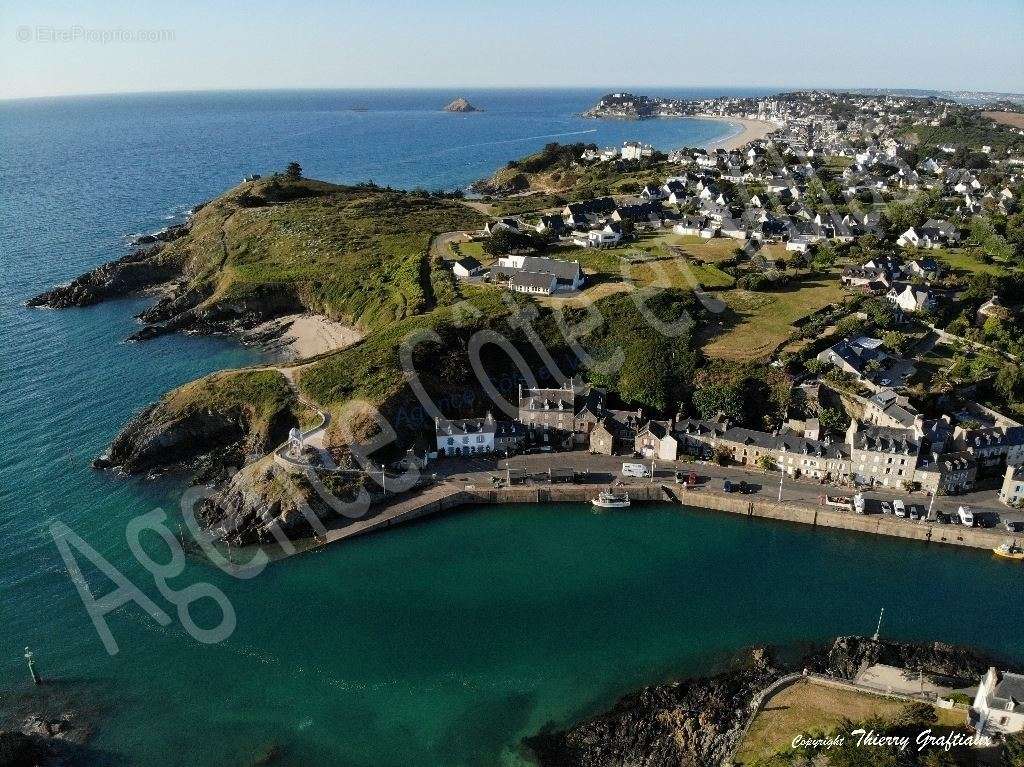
439	245
603	470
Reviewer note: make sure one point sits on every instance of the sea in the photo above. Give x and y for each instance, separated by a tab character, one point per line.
443	642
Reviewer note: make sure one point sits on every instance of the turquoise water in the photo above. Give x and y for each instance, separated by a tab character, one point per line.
439	643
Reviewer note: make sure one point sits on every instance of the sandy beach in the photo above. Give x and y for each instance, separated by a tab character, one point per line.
297	336
750	130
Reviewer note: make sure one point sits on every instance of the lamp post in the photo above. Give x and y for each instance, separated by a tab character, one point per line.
782	475
30	657
383	479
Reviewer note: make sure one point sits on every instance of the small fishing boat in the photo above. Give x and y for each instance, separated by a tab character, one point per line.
608	499
1009	551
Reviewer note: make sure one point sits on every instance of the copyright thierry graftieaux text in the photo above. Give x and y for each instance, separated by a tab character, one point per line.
870	739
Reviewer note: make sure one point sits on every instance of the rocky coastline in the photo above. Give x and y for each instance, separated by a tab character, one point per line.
699	721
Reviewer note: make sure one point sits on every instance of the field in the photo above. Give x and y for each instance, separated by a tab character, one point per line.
960	260
764	320
1013	119
803	707
662	259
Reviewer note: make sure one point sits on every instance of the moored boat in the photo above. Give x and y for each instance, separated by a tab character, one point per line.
1009	551
608	499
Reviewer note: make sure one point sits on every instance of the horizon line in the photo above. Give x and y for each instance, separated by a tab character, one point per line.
289	88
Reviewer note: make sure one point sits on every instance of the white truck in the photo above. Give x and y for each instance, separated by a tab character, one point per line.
899	508
966	515
858	503
636	470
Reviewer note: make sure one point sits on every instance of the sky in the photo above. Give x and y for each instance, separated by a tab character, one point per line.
50	48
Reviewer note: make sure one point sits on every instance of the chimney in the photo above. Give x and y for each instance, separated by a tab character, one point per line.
851	430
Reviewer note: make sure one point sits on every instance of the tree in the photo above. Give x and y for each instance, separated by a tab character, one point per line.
766	462
293	171
1009	382
896	342
832	419
1013	750
505	241
722	456
712	400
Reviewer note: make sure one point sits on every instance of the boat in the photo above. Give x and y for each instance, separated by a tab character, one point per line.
608	499
1009	551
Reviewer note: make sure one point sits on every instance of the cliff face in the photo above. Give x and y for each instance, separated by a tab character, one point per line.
137	271
226	414
693	722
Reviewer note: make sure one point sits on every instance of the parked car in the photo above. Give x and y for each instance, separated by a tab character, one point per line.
915	512
728	486
899	508
886	507
1014	527
943	518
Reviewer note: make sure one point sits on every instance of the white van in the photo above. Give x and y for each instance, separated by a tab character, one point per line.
966	515
636	470
858	503
899	508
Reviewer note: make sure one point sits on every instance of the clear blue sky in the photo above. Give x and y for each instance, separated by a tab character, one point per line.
943	44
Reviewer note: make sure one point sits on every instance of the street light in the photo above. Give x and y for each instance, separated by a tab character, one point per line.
30	657
782	474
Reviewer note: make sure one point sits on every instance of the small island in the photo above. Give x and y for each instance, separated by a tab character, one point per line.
461	105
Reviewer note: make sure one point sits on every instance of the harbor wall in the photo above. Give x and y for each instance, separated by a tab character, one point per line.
440	499
955	535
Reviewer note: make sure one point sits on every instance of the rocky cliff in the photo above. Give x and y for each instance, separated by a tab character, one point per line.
691	722
136	271
217	419
697	722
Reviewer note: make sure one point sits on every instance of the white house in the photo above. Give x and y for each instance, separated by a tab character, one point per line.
600	238
1012	491
634	150
999	703
909	239
655	440
911	299
534	283
800	244
466	436
467	267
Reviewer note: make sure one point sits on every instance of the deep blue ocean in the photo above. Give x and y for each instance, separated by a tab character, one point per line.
440	643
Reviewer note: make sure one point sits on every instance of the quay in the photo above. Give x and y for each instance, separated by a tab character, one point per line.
449	495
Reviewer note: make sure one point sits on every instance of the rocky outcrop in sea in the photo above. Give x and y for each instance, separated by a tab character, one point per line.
697	722
461	105
136	271
690	722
